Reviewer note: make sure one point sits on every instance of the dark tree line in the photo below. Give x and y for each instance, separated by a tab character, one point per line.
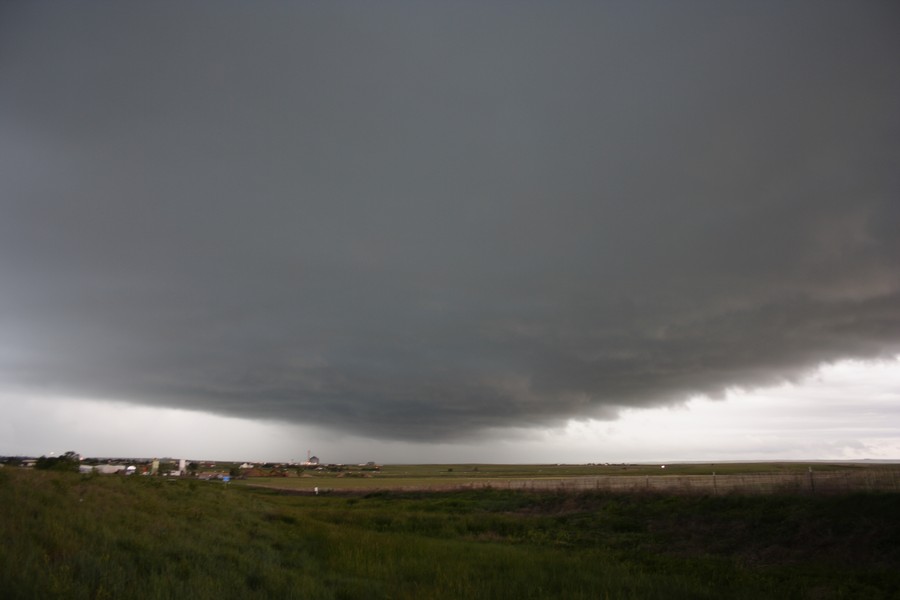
67	462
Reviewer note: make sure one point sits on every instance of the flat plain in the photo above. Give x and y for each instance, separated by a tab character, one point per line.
703	478
67	535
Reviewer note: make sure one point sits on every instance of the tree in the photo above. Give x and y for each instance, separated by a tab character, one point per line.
67	462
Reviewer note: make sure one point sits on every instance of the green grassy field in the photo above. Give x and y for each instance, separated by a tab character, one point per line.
71	536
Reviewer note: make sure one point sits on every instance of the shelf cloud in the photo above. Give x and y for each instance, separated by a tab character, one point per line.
427	221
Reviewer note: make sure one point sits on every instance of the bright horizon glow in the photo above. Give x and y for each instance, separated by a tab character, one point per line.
845	411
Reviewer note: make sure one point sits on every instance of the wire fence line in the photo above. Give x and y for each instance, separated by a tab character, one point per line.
811	482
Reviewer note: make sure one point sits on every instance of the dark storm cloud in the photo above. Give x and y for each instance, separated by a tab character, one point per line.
424	220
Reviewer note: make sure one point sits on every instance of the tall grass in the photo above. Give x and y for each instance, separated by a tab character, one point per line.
71	536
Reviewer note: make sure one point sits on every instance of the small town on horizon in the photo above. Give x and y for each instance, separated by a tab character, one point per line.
180	467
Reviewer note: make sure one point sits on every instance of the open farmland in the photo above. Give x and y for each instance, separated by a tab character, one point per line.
678	478
86	537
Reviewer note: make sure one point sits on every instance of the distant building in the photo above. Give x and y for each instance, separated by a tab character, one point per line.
109	469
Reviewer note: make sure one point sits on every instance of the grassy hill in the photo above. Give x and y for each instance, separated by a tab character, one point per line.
71	536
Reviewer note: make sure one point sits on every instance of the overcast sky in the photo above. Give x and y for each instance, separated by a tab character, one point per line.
425	230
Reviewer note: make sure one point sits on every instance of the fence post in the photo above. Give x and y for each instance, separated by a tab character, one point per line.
715	487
